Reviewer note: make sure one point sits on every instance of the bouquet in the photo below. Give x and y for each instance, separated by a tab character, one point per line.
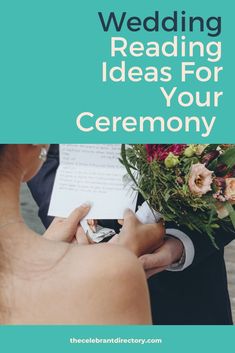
190	185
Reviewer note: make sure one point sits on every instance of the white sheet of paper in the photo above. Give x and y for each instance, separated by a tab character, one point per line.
91	173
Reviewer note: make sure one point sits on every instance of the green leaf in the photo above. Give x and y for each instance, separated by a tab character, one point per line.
228	157
126	163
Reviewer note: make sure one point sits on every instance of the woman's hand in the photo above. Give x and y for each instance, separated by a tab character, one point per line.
138	237
69	229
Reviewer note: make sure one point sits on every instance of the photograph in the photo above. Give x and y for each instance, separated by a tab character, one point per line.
100	234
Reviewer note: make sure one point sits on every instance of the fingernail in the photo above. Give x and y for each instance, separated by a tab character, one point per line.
142	260
86	204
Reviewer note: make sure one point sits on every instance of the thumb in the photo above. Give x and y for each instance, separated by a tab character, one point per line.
79	213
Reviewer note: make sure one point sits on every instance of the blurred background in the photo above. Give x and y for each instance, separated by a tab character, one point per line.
29	212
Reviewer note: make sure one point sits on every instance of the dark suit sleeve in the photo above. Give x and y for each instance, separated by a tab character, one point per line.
203	245
42	184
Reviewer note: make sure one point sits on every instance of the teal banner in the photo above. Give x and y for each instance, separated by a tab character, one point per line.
116	71
86	339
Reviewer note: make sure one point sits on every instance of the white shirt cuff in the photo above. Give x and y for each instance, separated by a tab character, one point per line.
188	248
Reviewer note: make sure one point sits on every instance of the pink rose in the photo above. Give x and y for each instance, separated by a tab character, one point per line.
200	179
